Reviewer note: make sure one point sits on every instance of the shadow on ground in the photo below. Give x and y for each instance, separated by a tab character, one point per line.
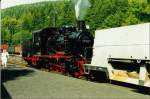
11	73
135	88
142	90
4	93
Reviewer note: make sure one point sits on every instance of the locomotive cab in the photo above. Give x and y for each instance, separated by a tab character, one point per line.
41	44
37	42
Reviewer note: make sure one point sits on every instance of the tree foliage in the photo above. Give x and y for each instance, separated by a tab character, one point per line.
18	22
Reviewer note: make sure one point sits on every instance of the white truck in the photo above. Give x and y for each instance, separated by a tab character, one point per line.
123	54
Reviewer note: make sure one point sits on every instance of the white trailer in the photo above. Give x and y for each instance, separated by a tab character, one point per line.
123	53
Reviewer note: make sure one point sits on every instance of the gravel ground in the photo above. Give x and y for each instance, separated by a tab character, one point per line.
29	83
16	59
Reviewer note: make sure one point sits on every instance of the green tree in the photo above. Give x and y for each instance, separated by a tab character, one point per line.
102	14
9	27
21	36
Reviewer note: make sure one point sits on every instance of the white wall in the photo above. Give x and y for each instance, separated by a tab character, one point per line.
121	42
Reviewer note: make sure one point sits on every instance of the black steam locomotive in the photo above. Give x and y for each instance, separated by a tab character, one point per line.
63	49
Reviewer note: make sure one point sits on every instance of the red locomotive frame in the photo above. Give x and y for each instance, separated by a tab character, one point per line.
59	66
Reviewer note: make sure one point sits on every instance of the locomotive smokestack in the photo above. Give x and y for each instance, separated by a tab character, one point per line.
81	7
81	25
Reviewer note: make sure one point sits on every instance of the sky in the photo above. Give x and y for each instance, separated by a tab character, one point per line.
10	3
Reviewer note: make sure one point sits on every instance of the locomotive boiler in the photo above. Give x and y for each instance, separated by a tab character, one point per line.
63	49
